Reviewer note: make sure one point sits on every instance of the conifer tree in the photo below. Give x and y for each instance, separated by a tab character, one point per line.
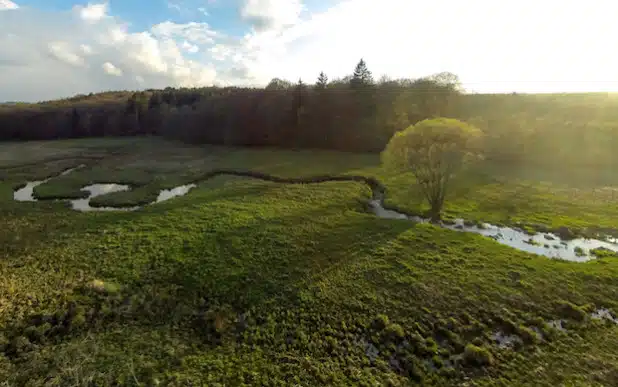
322	81
362	76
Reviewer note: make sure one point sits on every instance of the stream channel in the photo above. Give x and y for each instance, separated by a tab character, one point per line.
545	244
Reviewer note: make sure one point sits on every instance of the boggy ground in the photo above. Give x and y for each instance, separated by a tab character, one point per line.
244	281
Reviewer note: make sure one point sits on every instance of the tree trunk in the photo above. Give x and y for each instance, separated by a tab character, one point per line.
436	209
434	215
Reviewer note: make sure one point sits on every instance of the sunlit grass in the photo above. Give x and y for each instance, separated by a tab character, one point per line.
245	281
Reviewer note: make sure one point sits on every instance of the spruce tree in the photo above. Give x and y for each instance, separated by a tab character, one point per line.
322	81
362	76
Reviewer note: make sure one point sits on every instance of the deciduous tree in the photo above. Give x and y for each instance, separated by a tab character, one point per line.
434	150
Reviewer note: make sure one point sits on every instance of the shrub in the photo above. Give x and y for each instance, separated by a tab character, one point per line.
527	335
572	311
394	332
478	356
380	322
602	252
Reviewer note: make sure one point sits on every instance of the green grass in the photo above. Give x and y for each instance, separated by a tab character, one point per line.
245	281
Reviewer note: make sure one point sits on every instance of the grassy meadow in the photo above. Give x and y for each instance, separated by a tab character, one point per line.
246	282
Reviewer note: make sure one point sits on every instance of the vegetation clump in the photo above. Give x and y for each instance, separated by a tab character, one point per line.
477	356
602	252
434	150
259	282
571	311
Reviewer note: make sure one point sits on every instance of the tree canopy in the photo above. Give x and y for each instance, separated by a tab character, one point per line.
555	130
433	150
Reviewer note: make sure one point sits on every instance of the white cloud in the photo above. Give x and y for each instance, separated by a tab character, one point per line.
220	52
110	69
173	5
64	52
86	49
93	12
271	14
7	4
67	55
516	46
112	35
492	46
199	33
191	48
203	11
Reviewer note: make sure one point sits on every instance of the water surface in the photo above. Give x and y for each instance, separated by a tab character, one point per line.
546	244
95	190
167	194
26	193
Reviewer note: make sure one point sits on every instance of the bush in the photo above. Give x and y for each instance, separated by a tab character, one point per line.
21	345
602	252
380	322
394	332
477	356
528	335
569	310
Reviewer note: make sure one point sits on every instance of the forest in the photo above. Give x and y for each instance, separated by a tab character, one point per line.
356	113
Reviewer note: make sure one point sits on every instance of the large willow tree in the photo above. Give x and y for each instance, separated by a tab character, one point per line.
434	150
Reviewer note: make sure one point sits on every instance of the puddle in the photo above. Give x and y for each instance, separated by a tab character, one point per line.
167	194
98	190
506	341
546	244
603	314
371	350
557	324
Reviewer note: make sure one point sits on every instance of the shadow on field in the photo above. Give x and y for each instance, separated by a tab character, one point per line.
269	260
29	225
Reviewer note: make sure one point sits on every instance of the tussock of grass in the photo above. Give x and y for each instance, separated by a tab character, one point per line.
246	281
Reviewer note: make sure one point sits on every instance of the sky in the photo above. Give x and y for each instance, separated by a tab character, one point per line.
57	48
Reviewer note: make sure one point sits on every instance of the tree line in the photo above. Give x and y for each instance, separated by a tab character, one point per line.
354	113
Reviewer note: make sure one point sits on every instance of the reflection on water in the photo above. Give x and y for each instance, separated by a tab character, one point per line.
546	244
604	314
506	341
26	193
98	190
557	324
167	194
